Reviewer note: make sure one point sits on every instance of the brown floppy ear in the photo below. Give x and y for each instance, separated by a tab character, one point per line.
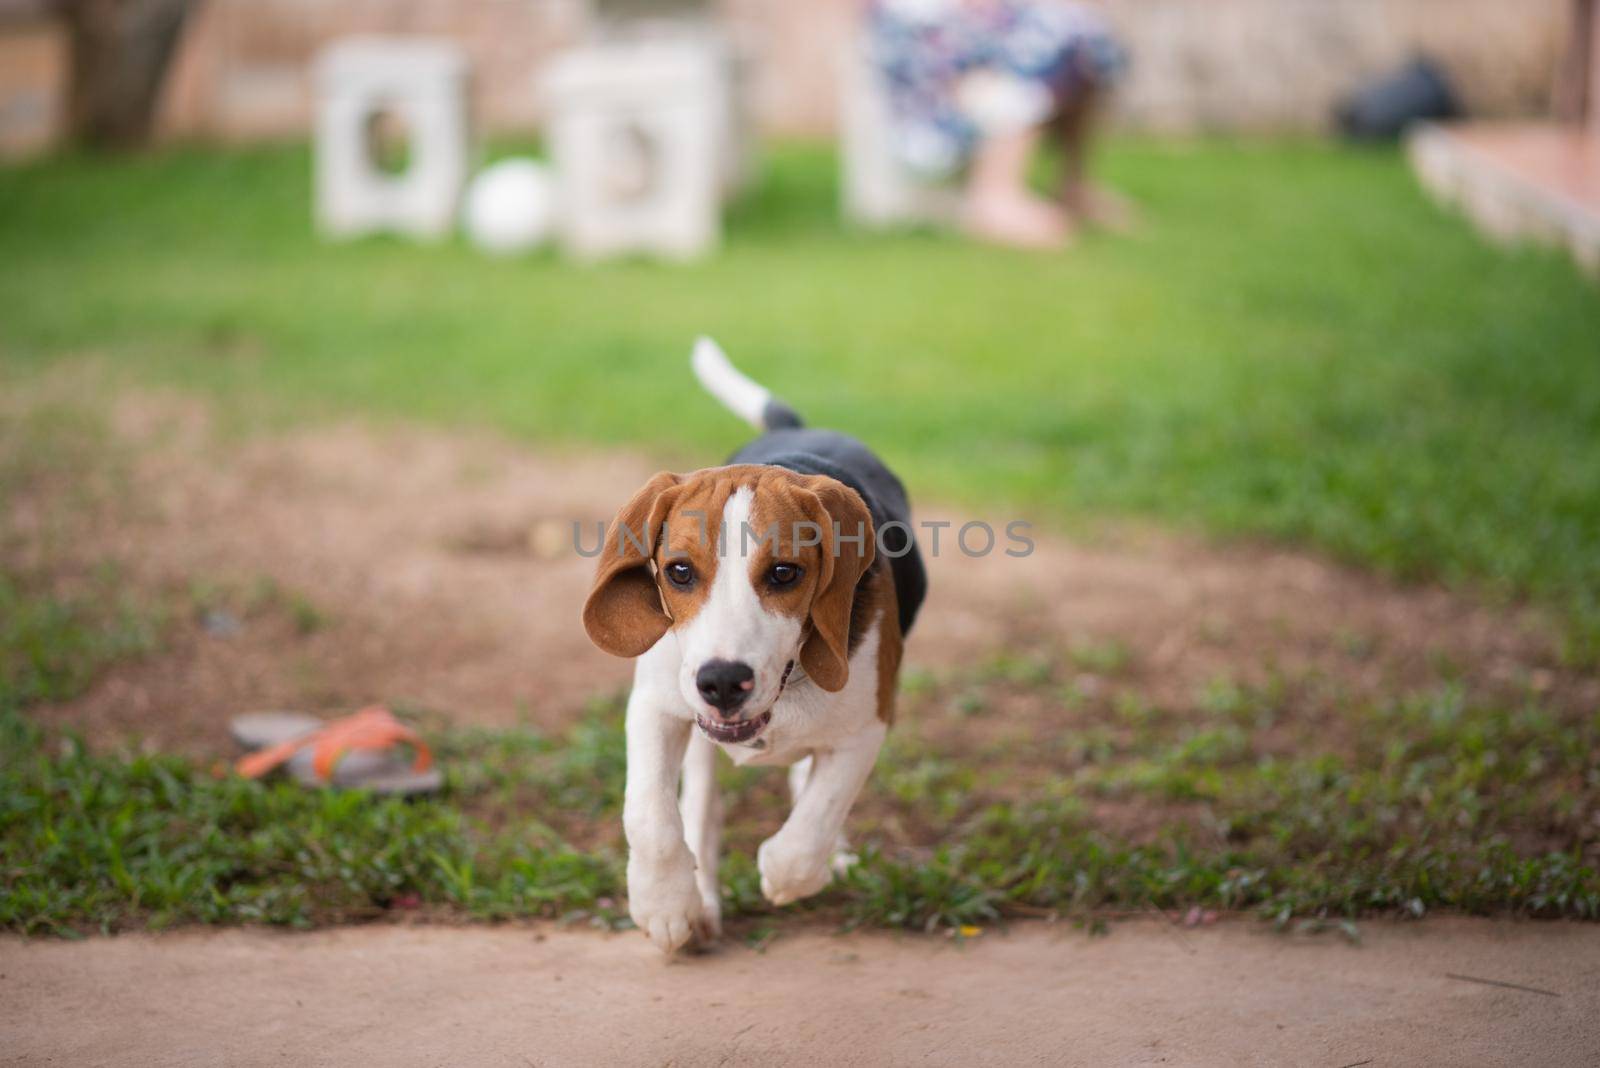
623	614
838	510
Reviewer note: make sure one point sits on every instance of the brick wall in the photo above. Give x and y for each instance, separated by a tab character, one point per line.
1199	64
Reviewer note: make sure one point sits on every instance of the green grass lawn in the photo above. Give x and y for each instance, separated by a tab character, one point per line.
1443	803
1296	346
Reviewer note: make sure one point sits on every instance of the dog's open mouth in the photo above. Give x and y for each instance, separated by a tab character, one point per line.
735	733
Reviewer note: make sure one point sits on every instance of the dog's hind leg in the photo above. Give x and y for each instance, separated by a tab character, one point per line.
700	806
799	774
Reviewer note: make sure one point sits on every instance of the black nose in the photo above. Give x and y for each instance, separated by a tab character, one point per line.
724	683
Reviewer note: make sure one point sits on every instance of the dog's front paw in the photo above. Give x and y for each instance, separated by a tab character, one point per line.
665	902
791	870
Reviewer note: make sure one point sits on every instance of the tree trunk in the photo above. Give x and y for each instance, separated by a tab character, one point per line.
121	50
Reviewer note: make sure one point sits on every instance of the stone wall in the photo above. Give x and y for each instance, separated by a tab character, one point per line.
243	69
1237	65
1282	64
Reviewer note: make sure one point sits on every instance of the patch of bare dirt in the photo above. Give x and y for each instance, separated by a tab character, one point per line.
442	576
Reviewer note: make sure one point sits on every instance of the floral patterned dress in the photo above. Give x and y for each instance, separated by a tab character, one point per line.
956	70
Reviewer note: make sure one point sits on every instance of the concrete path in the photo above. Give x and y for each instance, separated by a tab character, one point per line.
1235	994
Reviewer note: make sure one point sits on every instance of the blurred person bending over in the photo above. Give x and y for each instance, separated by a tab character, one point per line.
974	85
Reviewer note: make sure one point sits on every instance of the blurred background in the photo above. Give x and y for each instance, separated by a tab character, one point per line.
238	70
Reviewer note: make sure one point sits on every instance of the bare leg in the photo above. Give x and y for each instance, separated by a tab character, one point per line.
1088	202
999	207
700	806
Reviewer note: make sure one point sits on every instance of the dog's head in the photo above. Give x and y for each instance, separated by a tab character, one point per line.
755	570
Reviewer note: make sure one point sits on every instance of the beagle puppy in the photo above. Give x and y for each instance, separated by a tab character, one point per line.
766	602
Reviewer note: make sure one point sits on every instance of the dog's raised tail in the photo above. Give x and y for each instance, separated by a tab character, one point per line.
744	397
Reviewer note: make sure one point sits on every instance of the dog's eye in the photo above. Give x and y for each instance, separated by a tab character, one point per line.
783	574
679	574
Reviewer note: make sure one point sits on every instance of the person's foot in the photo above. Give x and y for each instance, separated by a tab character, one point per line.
1095	205
1017	220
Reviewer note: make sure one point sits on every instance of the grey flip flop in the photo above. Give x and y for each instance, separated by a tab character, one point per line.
365	750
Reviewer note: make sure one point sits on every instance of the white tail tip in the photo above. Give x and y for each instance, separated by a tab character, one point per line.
743	397
708	358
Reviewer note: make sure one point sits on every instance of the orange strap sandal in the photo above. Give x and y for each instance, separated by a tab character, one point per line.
358	751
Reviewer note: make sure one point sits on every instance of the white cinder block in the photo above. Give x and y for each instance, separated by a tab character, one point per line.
639	137
424	84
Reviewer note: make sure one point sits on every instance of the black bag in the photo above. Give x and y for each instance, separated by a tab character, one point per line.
1381	111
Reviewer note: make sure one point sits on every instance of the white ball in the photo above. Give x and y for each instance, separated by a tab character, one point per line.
510	206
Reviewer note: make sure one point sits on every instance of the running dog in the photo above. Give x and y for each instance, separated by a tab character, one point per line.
766	603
